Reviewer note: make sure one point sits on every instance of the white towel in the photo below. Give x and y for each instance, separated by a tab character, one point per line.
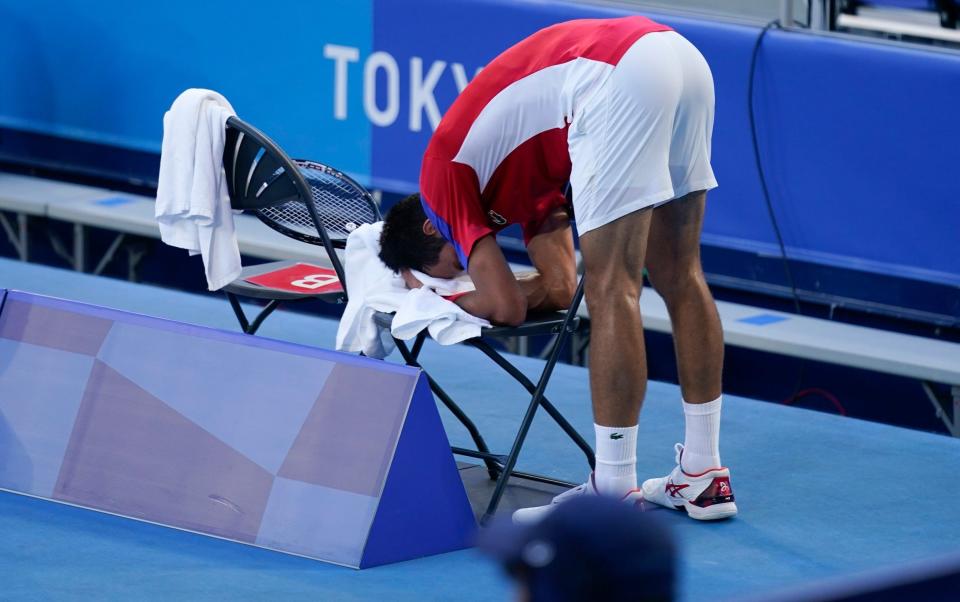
373	287
193	206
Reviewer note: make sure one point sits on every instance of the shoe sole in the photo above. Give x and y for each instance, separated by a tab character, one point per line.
715	512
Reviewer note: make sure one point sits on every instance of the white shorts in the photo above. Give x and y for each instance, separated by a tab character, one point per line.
644	137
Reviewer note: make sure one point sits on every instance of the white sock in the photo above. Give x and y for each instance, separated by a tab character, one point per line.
701	448
616	471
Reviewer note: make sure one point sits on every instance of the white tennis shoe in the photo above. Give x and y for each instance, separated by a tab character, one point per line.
525	516
705	496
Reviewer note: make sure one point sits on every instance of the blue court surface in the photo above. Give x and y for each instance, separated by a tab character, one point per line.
820	496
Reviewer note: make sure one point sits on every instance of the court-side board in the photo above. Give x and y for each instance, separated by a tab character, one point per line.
297	449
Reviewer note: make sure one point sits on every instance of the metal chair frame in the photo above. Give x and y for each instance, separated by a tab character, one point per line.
261	176
502	467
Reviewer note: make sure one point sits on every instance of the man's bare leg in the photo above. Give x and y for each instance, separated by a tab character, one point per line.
613	257
673	264
698	484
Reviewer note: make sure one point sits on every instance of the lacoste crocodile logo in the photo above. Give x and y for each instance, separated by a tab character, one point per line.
496	218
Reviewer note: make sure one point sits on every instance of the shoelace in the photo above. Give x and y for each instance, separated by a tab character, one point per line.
678	447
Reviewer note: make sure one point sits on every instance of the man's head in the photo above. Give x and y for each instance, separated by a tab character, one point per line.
411	242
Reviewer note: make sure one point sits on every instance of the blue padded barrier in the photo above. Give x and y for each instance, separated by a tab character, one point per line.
282	446
909	4
857	154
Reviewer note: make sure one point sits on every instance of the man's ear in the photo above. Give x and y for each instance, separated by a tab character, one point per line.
428	228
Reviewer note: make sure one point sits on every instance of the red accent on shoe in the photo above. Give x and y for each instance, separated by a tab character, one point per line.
673	490
700	474
718	492
694	476
639	502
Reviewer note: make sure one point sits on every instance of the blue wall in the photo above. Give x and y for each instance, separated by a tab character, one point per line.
106	71
853	134
865	173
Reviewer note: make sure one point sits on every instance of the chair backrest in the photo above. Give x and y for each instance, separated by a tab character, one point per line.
304	200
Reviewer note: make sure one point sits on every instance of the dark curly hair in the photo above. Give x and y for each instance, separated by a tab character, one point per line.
403	244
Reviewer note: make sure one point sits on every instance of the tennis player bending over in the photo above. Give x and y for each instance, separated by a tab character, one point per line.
623	110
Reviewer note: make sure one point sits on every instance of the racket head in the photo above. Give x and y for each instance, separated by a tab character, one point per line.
340	204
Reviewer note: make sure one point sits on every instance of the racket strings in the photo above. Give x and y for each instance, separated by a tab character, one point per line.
341	205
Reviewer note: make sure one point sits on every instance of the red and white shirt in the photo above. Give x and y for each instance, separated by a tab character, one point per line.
499	155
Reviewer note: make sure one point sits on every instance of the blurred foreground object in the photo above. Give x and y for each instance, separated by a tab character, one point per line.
591	548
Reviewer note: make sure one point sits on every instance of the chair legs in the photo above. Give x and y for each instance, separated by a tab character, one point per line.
245	325
500	467
531	388
410	357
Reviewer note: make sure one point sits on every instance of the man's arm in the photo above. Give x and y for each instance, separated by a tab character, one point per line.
503	298
551	252
498	296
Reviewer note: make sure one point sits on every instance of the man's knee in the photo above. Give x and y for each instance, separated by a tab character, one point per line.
608	296
675	286
610	274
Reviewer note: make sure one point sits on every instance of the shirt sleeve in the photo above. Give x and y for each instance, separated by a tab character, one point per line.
450	194
544	209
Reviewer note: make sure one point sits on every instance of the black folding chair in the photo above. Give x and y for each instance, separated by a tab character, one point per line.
303	200
318	205
501	467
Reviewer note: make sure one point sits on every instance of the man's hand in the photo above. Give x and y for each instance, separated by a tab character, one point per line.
410	280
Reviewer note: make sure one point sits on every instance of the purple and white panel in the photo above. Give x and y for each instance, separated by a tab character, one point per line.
258	441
